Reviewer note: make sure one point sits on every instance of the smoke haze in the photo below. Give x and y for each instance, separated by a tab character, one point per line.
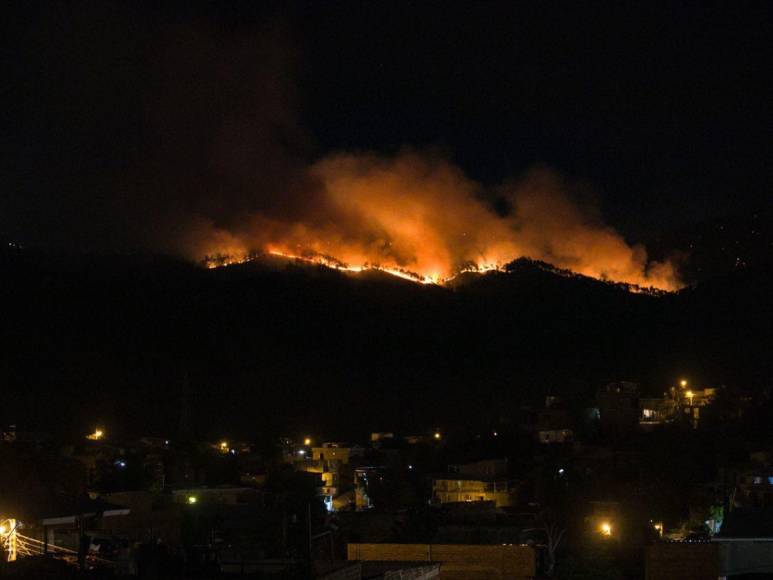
206	155
417	212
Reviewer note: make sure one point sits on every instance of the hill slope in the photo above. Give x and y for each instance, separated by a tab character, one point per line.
296	347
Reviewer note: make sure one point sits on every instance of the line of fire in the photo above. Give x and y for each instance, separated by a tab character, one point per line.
386	290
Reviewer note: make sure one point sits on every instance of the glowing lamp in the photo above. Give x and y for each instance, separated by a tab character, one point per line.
192	499
307	441
96	435
683	383
437	435
606	529
3	530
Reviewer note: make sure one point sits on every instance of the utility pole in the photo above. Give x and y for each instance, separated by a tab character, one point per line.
12	540
308	520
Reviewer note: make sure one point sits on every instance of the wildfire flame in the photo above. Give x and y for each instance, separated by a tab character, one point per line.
330	262
418	217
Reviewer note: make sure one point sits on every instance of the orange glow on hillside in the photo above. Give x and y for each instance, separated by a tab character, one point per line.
420	218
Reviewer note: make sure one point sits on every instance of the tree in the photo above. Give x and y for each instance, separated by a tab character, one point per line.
554	528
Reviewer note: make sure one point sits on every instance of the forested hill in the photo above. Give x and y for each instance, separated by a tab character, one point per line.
269	348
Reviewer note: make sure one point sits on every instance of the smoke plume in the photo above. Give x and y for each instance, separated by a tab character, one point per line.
185	137
417	212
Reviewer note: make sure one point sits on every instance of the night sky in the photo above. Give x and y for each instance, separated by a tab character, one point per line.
113	114
152	126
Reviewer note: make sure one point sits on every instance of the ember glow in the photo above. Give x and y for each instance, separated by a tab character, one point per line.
338	265
419	217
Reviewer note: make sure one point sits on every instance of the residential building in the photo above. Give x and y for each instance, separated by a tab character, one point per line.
754	488
472	482
331	461
693	400
340	452
381	436
618	405
657	411
554	423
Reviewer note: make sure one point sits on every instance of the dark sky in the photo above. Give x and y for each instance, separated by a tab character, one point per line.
114	114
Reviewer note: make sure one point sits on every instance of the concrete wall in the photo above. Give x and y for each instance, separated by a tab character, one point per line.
458	562
385	570
429	572
682	561
353	572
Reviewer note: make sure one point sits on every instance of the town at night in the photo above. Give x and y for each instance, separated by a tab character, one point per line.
363	290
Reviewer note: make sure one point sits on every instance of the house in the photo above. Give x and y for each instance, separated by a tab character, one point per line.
381	436
618	405
656	411
362	474
221	495
485	468
472	482
332	461
754	488
62	525
554	423
335	451
693	400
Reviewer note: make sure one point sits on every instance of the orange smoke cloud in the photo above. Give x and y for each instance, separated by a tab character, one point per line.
419	213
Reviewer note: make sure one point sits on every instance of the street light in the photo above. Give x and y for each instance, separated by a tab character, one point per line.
683	383
606	529
192	499
307	441
97	435
9	539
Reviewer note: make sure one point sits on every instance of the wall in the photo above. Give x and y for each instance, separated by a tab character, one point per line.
458	562
682	561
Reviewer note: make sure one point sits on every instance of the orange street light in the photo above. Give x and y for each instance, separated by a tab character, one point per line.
97	435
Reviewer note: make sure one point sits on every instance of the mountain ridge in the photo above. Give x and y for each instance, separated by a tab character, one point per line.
301	346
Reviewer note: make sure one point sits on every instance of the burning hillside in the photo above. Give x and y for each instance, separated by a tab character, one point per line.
419	217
